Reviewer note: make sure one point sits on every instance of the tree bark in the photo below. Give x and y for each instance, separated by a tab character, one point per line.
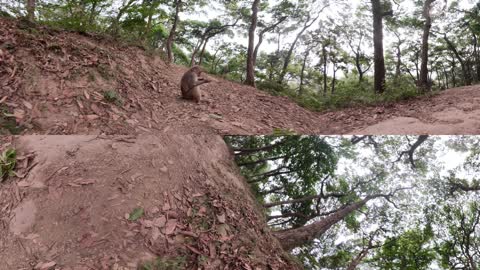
173	30
200	61
306	25
466	73
358	259
31	10
250	79
325	81
292	238
304	199
334	79
423	82
260	37
379	59
445	74
302	74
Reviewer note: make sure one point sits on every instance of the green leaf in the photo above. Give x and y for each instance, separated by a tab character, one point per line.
136	214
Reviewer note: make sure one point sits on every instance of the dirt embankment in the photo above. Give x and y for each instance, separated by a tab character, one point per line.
58	82
87	202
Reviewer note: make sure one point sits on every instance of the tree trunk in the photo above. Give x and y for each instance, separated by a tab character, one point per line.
359	67
423	82
445	74
260	38
91	18
31	10
123	9
379	59
307	25
302	74
250	79
292	238
304	199
202	53
173	30
195	51
358	259
148	27
324	51
334	79
465	70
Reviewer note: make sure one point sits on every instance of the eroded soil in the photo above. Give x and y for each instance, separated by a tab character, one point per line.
72	205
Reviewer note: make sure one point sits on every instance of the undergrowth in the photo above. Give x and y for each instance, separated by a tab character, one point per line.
8	160
164	264
349	92
8	123
113	97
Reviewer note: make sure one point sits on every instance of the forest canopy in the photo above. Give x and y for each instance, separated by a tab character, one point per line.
327	53
368	202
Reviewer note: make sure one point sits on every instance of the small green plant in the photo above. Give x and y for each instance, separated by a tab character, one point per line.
136	214
112	97
8	160
8	123
165	264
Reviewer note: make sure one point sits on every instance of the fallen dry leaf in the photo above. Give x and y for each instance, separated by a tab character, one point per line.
194	250
221	218
160	222
27	104
170	226
155	233
45	266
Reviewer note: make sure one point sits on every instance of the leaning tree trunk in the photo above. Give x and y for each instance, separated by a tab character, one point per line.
293	238
250	79
302	74
260	37
202	52
171	36
465	70
423	82
31	10
379	58
308	23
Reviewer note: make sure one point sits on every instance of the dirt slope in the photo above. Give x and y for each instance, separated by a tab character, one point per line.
71	203
53	83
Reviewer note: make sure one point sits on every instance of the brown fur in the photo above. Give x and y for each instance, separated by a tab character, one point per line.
190	84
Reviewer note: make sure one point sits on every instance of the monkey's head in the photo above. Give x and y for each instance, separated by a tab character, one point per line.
197	70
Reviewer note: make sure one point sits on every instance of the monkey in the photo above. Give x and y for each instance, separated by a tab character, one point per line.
190	83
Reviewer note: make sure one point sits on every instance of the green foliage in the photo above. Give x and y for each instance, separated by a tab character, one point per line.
462	243
136	214
113	97
349	92
409	251
8	122
8	161
291	165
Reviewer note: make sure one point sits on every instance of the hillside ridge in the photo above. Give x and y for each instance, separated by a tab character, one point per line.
59	82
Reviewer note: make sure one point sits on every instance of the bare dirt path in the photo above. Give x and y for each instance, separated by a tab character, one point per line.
93	202
54	82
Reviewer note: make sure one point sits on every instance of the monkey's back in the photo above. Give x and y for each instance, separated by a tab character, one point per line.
187	85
